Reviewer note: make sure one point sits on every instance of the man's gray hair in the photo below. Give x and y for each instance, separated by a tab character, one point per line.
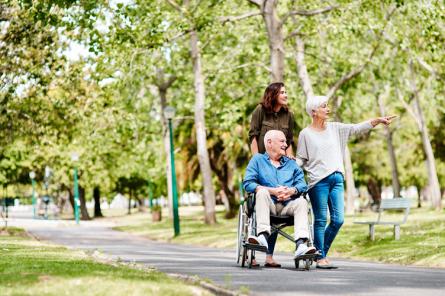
314	102
270	135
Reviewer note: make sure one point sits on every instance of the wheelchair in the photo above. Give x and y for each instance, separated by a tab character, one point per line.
245	251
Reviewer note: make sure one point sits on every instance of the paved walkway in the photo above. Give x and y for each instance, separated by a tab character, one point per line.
352	278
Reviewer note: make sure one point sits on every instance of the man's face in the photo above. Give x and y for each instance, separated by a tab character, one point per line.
278	144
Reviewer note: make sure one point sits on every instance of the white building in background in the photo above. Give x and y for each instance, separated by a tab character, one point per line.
119	202
408	192
190	199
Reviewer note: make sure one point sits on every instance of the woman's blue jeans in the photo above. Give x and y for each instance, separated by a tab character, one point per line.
327	193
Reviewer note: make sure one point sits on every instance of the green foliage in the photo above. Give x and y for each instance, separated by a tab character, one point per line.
105	105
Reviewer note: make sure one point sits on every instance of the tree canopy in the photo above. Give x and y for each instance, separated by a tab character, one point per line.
85	76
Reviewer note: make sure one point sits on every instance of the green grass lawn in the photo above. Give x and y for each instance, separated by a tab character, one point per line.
30	267
422	240
422	237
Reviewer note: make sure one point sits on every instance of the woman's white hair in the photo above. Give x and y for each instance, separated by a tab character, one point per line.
314	102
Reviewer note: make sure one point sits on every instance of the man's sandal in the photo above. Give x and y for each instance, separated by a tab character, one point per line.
272	265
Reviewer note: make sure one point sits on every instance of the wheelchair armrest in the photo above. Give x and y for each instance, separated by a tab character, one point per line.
300	194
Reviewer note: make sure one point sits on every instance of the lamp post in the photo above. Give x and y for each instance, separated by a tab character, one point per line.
169	113
46	198
75	159
32	175
150	194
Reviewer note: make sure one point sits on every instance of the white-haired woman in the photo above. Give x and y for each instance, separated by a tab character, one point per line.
320	152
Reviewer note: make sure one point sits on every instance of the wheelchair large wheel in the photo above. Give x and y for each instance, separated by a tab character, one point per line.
252	255
244	258
241	236
311	225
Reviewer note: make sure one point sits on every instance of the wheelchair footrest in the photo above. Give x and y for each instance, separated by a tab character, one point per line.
307	256
255	247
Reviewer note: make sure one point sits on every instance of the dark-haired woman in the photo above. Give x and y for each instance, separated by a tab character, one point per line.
272	114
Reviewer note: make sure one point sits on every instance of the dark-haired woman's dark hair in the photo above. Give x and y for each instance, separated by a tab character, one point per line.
270	96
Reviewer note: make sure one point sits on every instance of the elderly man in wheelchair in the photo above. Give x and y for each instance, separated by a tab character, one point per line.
277	182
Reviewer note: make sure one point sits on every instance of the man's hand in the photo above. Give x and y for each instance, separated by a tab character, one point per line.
286	193
278	191
282	193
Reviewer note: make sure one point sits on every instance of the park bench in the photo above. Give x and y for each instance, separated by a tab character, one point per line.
389	205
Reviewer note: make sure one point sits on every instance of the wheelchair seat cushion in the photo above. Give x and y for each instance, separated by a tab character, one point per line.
288	220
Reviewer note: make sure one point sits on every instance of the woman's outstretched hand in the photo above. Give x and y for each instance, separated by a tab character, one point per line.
386	120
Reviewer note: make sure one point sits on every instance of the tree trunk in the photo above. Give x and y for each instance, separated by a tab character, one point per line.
419	196
303	75
129	203
62	202
391	151
375	192
433	182
203	155
140	203
393	162
350	185
83	207
233	202
433	191
224	180
275	39
71	197
233	205
96	196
